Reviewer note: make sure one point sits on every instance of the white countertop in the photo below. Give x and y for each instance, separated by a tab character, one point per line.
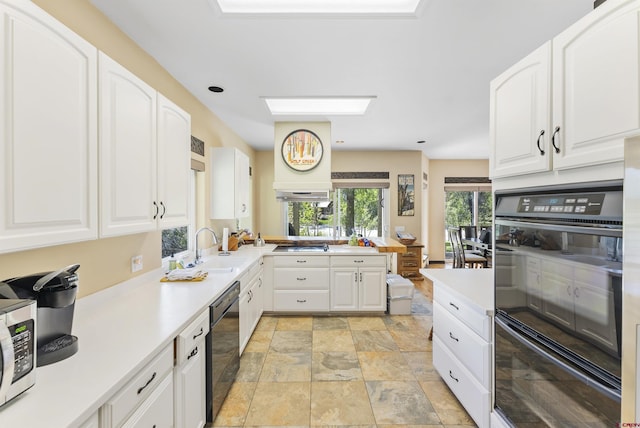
475	285
120	330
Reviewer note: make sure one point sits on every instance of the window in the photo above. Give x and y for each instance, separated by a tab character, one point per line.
467	207
178	240
358	210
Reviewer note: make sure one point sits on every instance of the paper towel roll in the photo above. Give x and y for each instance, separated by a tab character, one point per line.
225	239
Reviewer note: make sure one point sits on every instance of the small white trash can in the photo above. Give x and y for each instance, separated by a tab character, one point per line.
399	295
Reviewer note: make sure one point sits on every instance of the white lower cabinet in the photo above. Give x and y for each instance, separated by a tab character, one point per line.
146	400
301	284
358	283
323	283
157	410
189	374
251	302
462	351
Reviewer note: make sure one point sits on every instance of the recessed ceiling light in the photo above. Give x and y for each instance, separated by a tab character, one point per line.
320	7
318	105
216	89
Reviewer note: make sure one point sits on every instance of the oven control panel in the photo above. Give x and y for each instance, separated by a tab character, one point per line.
588	204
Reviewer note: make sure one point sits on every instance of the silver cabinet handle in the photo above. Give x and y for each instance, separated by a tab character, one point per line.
456	308
164	209
301	301
453	337
358	261
301	279
301	261
452	377
155	204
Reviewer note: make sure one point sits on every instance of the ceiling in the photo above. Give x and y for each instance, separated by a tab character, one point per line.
430	74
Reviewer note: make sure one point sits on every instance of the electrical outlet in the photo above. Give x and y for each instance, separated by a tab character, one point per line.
136	263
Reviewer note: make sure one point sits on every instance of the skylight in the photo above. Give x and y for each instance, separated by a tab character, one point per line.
320	7
318	105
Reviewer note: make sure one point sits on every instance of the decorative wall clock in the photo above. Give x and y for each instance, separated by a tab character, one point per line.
302	150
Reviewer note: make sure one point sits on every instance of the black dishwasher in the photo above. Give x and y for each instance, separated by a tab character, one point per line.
223	348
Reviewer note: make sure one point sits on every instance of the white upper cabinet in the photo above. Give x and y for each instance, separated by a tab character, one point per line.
127	151
144	155
174	163
229	183
573	101
520	116
48	138
596	102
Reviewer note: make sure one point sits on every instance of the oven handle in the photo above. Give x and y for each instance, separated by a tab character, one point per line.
587	230
8	360
609	392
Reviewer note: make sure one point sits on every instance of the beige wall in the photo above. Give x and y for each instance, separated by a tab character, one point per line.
438	170
105	262
395	162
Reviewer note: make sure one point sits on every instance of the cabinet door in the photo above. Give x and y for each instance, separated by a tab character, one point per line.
157	410
190	390
127	151
174	164
245	315
48	138
595	85
344	289
242	184
256	304
372	290
520	116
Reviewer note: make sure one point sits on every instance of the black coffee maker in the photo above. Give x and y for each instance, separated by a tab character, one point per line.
55	293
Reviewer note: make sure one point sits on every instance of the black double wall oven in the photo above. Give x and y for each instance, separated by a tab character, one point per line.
558	270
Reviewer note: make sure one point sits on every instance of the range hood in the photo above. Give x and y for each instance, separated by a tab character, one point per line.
302	161
302	195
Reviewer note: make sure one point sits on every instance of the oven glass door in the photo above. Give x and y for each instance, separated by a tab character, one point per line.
537	388
558	323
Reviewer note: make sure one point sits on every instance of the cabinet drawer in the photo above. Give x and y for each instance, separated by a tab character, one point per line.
358	261
191	337
301	301
471	316
468	347
473	396
301	279
409	263
412	253
157	410
301	261
137	390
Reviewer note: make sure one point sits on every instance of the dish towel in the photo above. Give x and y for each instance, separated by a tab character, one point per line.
194	274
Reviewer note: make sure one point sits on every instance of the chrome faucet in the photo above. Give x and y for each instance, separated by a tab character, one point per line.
198	258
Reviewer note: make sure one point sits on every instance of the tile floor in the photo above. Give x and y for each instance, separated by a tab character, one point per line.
342	371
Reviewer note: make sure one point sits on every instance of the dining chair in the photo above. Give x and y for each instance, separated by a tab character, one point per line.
462	258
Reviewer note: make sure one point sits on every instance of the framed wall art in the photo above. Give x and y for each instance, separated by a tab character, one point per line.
302	150
406	195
